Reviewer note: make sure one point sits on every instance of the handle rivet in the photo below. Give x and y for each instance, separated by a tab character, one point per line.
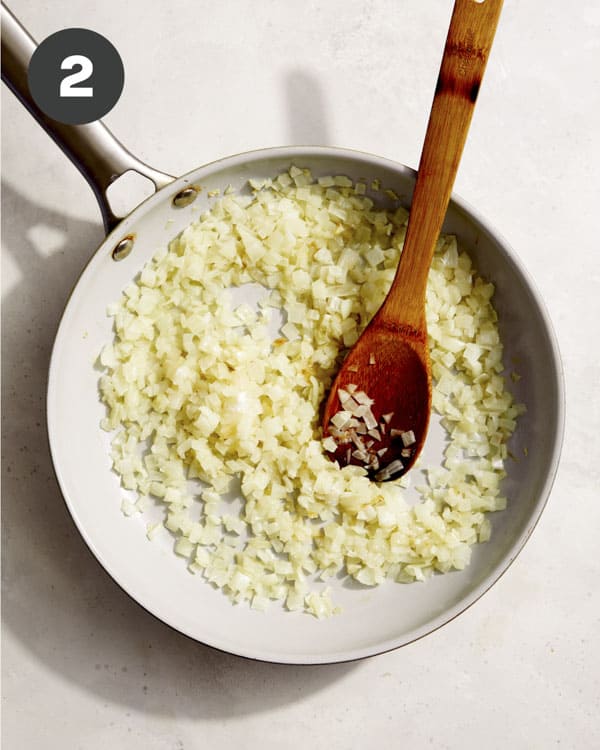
185	197
122	249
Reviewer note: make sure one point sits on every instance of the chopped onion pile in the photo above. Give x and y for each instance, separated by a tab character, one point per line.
207	408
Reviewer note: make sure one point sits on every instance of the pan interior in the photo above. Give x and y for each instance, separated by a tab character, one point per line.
373	620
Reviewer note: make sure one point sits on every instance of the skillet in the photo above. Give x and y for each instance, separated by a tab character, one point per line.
373	620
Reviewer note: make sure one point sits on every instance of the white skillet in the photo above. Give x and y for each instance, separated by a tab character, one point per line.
373	620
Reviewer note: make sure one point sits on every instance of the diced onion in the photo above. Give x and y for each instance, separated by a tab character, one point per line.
199	398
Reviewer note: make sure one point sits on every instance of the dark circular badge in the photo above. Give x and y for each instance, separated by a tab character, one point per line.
76	76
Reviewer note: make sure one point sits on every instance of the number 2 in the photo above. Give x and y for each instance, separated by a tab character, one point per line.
67	85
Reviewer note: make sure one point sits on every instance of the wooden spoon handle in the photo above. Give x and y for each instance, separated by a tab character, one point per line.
468	44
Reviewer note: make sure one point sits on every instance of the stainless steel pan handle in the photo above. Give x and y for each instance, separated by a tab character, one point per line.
98	155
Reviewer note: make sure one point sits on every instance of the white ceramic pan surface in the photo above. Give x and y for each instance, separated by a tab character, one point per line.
373	619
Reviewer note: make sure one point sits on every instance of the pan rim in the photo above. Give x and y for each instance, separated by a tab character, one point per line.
297	152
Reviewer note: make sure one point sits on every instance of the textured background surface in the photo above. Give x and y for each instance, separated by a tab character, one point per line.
83	665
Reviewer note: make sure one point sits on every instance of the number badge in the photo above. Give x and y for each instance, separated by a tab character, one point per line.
76	76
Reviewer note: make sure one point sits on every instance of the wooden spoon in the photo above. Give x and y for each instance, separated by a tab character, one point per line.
390	361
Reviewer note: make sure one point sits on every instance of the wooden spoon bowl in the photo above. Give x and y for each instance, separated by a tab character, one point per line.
389	364
399	407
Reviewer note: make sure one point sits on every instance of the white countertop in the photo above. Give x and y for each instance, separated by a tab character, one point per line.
86	668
